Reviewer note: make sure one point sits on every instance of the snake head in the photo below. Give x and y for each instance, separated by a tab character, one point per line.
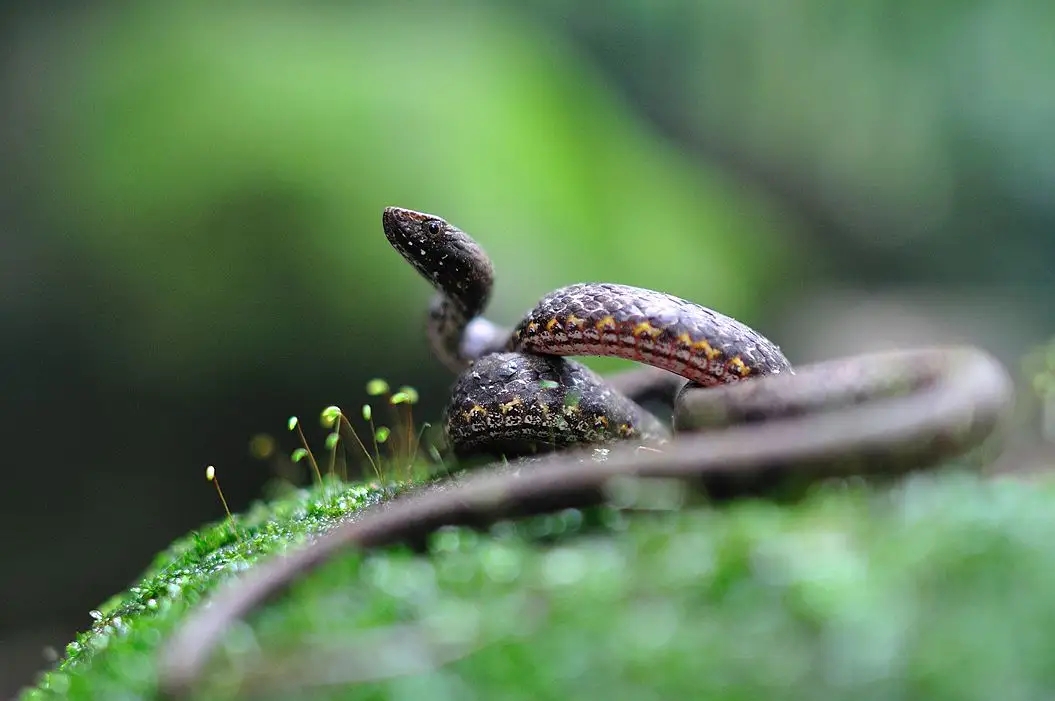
444	255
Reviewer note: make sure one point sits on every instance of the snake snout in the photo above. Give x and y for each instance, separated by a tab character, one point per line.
396	220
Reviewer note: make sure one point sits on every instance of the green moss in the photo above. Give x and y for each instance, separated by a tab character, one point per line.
115	657
938	588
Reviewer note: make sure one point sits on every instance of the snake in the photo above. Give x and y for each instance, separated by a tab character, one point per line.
743	421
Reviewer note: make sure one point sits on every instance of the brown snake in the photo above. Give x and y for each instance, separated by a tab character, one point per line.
768	429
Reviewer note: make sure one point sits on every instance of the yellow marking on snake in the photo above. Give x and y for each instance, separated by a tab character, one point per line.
646	329
510	405
707	350
606	323
552	324
737	365
532	327
575	322
474	410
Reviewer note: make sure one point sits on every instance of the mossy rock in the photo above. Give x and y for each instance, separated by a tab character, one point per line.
939	587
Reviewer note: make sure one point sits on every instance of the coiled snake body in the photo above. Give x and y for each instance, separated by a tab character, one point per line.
870	415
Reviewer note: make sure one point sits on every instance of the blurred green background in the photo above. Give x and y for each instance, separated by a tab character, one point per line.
191	200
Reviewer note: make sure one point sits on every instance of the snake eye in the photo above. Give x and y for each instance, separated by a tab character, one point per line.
433	227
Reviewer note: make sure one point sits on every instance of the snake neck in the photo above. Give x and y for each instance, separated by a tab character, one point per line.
462	274
446	324
458	339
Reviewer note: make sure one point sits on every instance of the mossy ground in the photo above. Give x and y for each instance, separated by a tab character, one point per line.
941	587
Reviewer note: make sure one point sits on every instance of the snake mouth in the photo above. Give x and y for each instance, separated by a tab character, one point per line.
402	227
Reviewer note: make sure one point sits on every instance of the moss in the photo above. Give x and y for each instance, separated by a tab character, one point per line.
115	657
937	588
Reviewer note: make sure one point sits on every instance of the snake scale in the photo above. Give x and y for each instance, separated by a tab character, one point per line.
744	421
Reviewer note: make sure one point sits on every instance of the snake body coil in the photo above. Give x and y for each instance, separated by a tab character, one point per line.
527	399
880	414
